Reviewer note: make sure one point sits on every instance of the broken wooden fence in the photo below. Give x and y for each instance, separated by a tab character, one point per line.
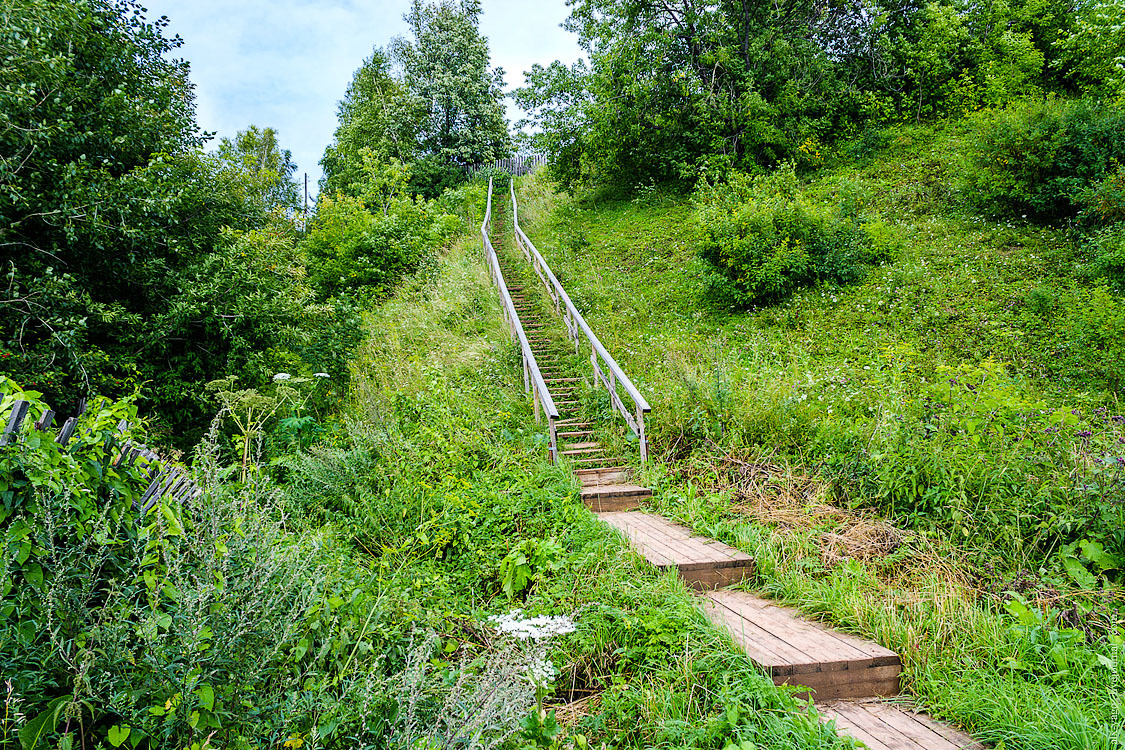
163	478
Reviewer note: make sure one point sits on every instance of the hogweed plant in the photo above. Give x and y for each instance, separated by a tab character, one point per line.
251	409
540	728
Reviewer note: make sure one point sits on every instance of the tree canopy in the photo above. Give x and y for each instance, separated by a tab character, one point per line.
441	111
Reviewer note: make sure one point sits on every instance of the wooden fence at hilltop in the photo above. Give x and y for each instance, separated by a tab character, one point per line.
517	166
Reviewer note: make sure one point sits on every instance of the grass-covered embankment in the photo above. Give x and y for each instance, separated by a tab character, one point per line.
949	391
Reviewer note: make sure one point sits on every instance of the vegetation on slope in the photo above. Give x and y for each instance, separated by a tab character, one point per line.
963	389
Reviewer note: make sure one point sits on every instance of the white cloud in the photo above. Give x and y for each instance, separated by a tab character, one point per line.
286	63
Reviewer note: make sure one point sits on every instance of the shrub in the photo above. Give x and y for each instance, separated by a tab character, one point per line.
1042	157
191	620
766	239
352	250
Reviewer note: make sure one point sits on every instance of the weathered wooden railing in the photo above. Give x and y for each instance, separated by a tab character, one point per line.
163	478
532	378
606	369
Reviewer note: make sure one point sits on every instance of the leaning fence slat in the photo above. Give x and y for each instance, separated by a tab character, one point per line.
19	411
67	431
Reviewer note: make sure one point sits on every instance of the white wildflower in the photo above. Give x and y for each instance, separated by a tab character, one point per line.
281	376
541	671
320	375
535	628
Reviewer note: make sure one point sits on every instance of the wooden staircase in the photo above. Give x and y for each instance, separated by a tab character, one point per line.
845	675
605	478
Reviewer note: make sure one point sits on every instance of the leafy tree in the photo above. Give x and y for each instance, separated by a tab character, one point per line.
676	85
451	84
374	115
129	254
264	168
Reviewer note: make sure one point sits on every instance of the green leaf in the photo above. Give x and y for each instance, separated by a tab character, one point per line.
1078	573
43	724
118	735
206	697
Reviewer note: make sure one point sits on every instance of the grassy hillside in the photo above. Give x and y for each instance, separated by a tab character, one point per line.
924	456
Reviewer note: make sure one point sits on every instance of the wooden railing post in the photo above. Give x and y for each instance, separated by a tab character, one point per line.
554	447
642	440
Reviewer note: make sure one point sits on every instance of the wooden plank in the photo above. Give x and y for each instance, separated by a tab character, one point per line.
701	562
67	431
816	636
820	644
882	725
19	411
796	651
920	727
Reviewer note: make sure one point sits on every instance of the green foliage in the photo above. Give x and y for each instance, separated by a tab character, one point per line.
129	254
354	251
442	113
528	562
1044	157
265	169
1093	52
373	115
1108	250
768	239
197	620
1096	324
454	92
677	89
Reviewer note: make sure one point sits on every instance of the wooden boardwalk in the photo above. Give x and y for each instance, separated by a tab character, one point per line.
703	563
886	726
795	651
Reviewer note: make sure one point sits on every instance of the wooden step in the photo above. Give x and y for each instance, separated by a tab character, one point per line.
594	459
597	469
703	563
563	380
883	726
586	445
797	651
576	433
603	477
614	498
576	422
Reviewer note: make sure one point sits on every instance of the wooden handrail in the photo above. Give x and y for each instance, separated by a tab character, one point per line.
532	378
576	324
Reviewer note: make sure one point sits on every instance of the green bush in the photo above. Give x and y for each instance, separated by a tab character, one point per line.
765	239
1042	157
199	619
354	250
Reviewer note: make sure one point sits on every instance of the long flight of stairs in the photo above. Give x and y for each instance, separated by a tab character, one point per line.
847	677
605	478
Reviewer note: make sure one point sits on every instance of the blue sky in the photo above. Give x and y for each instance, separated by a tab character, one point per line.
286	63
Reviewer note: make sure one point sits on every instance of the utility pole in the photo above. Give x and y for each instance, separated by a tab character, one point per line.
306	196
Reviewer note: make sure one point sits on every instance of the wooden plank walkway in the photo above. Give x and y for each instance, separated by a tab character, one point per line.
702	563
795	651
885	726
